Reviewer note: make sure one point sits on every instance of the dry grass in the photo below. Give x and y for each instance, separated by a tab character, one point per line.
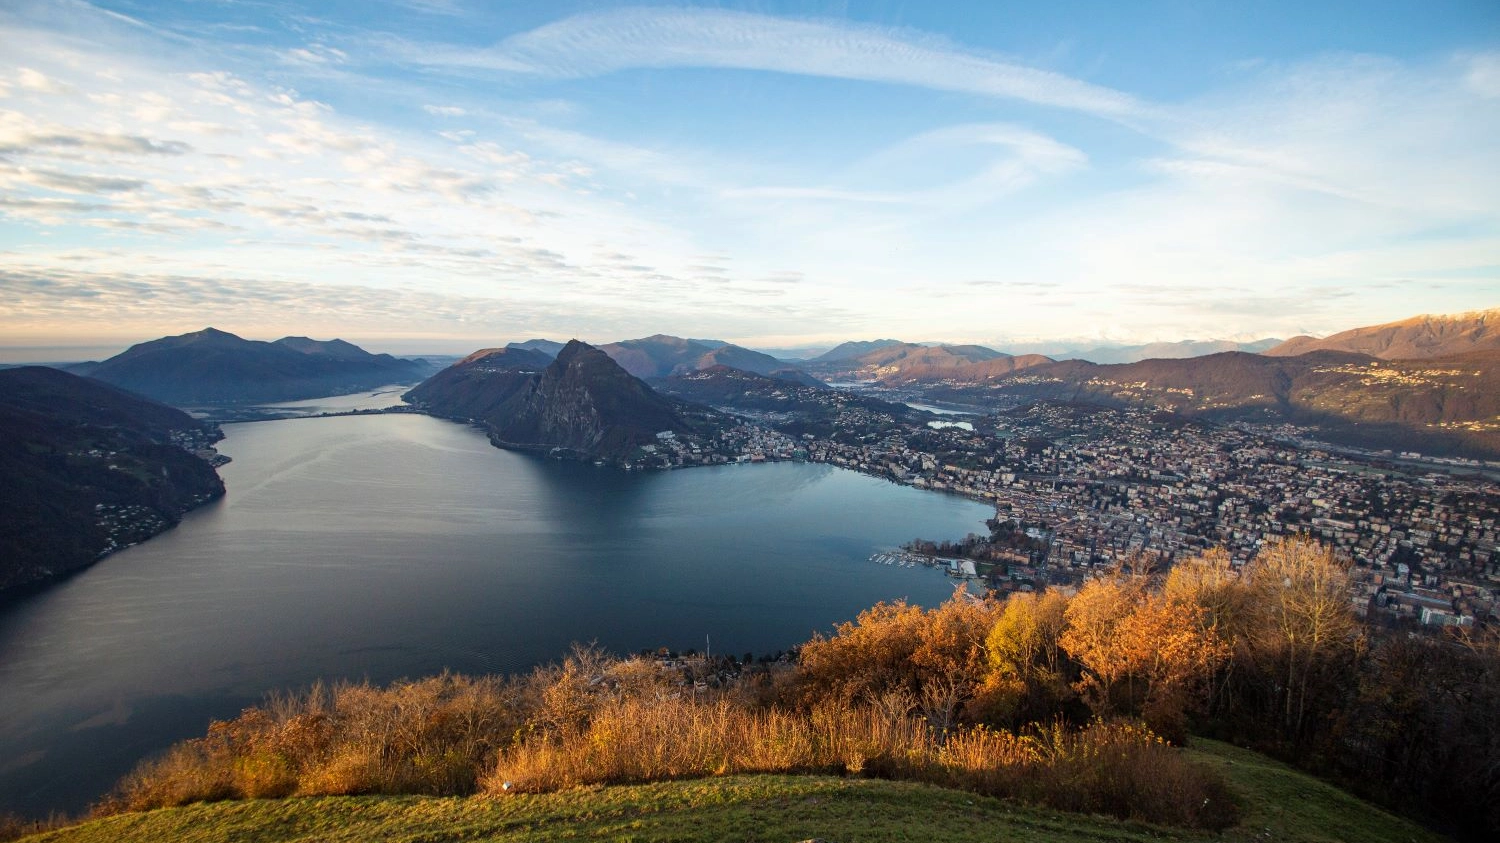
431	736
594	720
1119	769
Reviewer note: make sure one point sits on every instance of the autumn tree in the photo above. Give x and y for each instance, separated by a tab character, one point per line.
1141	653
1303	635
1093	621
1030	676
935	657
1224	610
950	657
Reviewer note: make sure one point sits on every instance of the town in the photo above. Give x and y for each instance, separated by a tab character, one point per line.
1080	489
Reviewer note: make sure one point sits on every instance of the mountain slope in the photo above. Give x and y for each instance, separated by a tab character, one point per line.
335	349
586	402
897	364
854	348
582	401
660	355
478	385
789	406
1417	338
547	347
87	469
1164	350
215	366
1277	803
1449	404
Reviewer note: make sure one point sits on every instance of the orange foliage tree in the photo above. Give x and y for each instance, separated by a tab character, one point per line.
934	659
1141	653
1030	677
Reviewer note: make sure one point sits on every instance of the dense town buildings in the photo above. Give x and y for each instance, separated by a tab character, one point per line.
1090	487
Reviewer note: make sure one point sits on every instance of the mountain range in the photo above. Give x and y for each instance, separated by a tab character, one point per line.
212	366
88	469
1353	386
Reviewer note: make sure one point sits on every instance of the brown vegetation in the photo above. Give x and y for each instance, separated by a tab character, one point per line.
1112	768
430	736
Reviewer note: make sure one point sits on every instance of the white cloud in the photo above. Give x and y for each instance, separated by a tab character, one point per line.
605	42
1483	75
444	110
35	80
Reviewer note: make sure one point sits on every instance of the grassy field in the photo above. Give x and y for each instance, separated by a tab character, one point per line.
1279	804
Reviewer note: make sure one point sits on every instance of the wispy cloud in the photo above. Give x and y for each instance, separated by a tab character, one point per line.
599	43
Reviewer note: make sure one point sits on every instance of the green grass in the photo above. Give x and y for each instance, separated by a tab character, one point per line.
1279	804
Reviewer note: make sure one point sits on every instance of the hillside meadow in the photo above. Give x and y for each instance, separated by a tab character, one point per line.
1278	803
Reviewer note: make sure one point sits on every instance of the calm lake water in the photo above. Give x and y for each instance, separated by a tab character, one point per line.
390	546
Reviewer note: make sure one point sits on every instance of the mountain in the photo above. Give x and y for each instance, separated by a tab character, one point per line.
214	366
900	363
547	347
336	349
582	401
847	350
479	384
1161	350
660	355
1447	404
795	355
88	469
1417	338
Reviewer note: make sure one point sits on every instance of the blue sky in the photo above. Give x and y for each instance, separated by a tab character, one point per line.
446	174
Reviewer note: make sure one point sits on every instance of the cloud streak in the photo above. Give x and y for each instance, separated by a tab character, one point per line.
601	43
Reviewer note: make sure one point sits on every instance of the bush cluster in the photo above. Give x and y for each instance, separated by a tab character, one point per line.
600	720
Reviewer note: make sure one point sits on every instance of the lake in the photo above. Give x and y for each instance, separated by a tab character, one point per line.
400	545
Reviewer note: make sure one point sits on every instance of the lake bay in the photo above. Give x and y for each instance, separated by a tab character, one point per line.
387	546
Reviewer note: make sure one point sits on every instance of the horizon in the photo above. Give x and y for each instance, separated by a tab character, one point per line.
11	355
427	174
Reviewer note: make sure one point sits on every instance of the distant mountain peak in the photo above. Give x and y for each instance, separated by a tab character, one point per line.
894	363
1419	337
216	366
853	348
331	348
547	347
511	355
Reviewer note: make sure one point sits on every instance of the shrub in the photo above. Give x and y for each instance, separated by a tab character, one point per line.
432	736
1115	768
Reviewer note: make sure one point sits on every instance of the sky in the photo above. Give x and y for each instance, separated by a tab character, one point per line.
442	175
